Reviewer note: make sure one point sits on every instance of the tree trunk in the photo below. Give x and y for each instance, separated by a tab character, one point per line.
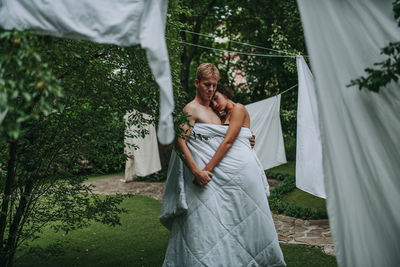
13	232
188	54
4	254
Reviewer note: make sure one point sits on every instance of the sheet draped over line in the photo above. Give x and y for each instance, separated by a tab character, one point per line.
309	174
228	221
265	122
120	22
359	129
144	160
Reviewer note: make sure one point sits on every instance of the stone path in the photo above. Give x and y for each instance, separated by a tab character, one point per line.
111	186
313	233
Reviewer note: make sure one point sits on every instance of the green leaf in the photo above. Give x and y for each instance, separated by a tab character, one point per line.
27	96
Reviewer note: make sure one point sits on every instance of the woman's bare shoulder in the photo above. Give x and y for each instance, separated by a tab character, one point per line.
242	113
240	108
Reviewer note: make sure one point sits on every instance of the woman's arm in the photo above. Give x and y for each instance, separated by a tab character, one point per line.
235	124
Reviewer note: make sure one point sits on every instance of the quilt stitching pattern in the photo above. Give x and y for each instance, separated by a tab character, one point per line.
222	225
213	193
229	233
237	225
188	248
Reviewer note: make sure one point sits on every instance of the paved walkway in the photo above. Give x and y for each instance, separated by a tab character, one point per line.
314	233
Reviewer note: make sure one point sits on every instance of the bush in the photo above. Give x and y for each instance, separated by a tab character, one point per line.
290	147
289	209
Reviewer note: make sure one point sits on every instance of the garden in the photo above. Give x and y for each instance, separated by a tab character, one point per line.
62	130
65	101
141	240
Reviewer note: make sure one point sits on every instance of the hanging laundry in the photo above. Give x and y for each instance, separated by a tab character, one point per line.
360	129
309	174
143	159
117	22
265	122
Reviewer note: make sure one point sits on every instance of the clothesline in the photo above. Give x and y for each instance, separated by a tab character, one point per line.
288	89
237	42
241	43
230	51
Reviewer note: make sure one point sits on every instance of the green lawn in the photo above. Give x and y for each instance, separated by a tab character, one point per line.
103	176
299	255
140	241
289	168
305	200
297	196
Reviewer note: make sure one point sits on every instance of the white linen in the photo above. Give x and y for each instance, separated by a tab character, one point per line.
121	22
359	129
265	122
144	160
228	221
309	174
130	170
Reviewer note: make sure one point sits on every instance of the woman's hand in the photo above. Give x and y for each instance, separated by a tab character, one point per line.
202	177
252	139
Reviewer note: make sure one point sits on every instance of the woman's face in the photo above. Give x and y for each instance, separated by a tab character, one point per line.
219	101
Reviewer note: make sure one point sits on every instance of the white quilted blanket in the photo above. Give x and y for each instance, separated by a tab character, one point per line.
228	221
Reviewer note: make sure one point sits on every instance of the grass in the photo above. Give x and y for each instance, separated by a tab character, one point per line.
140	241
297	196
305	200
289	168
103	176
299	255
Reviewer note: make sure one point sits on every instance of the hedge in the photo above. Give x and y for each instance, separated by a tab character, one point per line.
289	209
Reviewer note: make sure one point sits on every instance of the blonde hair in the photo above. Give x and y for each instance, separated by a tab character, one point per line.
207	70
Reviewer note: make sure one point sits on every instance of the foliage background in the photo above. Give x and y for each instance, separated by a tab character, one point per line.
276	25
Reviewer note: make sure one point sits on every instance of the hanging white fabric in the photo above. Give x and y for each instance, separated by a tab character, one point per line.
359	129
309	175
145	159
265	122
120	22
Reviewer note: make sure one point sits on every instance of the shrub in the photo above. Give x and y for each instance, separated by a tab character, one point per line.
277	205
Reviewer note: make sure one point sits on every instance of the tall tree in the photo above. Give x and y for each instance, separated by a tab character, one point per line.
192	17
268	24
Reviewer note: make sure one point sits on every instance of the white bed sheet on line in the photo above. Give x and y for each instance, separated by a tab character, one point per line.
265	122
360	129
309	174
